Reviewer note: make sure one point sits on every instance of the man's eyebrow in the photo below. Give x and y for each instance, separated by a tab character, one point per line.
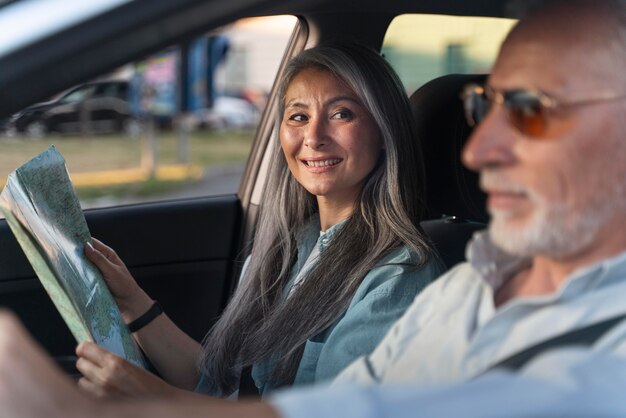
298	104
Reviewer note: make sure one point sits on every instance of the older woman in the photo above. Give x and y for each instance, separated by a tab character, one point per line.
337	256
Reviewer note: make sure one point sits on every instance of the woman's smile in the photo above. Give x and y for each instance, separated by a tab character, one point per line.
329	139
321	165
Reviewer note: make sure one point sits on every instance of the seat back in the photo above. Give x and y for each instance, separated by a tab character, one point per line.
455	204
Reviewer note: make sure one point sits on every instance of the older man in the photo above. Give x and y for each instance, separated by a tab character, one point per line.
551	152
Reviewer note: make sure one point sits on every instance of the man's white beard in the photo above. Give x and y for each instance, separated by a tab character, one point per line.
555	230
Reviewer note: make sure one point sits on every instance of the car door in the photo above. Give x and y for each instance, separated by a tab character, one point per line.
185	252
181	253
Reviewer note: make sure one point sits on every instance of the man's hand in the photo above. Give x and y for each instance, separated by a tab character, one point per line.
108	375
30	384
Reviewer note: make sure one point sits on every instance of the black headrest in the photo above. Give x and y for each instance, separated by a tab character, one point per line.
451	189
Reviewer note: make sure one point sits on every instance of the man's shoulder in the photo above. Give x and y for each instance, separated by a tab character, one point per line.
458	277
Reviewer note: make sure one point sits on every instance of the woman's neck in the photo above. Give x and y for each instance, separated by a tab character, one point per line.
332	211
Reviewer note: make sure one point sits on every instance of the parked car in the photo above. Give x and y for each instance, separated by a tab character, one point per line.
187	253
226	113
95	107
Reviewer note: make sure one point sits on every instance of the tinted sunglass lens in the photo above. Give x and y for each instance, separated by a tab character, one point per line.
476	107
527	115
529	120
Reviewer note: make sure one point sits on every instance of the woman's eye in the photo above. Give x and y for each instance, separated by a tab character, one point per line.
298	117
343	114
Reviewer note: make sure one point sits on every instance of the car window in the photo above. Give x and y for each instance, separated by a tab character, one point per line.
144	147
78	95
44	17
6	2
423	47
113	89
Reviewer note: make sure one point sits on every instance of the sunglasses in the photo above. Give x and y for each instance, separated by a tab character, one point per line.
527	110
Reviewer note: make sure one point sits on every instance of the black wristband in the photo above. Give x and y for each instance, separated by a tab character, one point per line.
154	311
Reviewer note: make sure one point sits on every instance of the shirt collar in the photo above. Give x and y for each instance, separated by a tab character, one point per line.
495	266
310	235
327	236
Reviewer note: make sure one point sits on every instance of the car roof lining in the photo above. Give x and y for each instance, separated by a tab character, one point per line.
139	28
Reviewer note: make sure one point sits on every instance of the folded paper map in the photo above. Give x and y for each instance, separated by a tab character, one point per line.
45	216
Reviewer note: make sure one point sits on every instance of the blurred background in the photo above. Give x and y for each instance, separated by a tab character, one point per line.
180	123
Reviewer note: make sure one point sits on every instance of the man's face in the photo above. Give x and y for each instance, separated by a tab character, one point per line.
556	194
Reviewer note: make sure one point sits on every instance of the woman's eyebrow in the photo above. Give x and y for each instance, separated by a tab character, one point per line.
298	104
335	99
295	103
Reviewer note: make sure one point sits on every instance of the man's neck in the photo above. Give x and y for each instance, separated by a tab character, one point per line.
539	279
546	275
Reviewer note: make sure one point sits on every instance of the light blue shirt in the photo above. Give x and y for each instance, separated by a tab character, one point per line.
431	361
381	298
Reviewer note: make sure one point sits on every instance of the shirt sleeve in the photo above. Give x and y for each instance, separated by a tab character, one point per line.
386	293
573	382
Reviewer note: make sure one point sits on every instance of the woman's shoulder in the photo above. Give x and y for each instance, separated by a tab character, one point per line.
400	273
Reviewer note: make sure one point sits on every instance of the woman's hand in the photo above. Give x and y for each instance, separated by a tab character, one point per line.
107	375
172	352
130	298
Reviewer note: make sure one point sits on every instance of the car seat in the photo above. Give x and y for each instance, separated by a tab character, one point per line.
455	206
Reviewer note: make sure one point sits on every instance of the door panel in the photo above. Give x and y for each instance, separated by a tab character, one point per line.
180	252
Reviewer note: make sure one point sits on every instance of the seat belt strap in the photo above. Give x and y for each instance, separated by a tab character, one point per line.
585	336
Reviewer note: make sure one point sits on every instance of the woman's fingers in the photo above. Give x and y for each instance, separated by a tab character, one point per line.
93	352
118	278
92	364
106	263
105	374
106	251
101	364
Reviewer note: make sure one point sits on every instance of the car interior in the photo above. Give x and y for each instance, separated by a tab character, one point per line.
455	204
187	253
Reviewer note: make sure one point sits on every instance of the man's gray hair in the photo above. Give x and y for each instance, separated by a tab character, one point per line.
616	18
517	9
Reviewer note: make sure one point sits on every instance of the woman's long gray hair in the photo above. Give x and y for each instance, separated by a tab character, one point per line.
259	322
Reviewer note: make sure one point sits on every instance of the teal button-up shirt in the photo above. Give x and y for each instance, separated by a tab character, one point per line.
383	296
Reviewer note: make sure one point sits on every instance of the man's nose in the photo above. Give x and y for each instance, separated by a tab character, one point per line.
491	143
316	134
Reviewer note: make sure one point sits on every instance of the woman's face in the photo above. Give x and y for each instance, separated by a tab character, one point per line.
330	140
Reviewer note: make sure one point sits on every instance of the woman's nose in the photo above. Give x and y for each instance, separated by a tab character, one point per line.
317	134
